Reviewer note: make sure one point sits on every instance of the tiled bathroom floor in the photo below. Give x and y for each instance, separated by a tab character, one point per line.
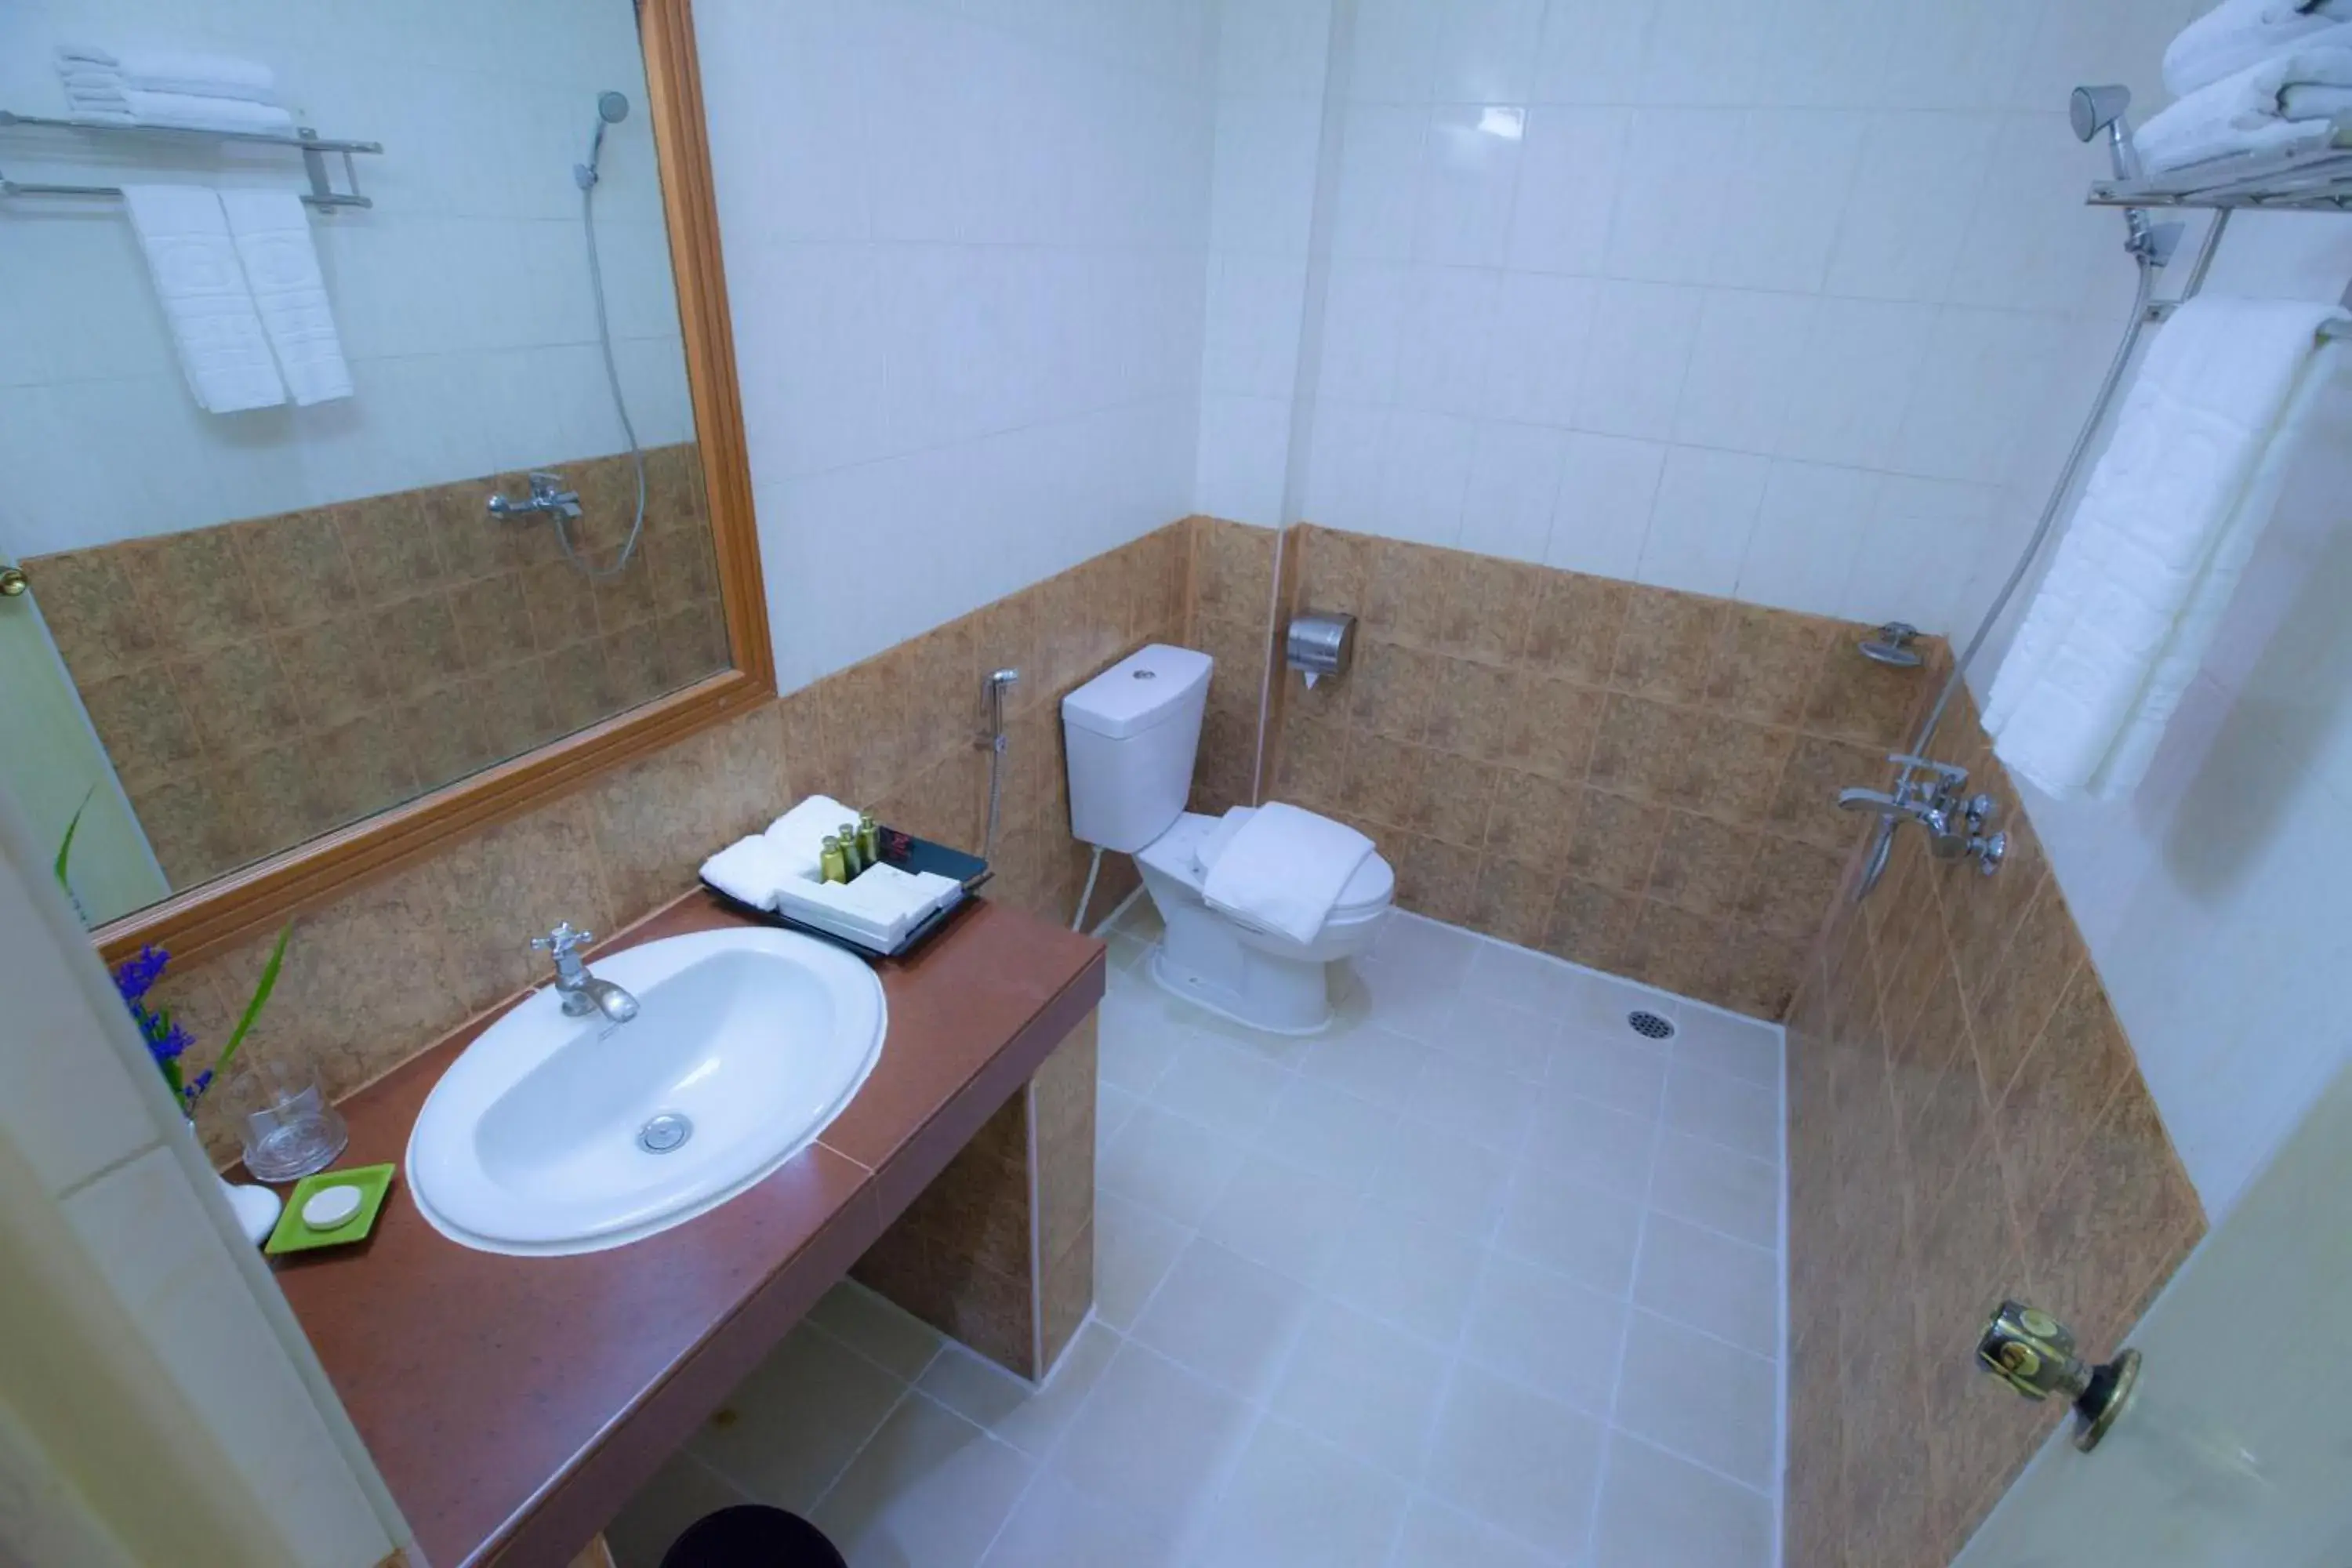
1478	1277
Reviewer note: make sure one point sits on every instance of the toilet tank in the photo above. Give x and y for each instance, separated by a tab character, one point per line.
1131	734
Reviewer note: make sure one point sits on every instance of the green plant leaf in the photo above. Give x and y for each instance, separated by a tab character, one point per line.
268	982
65	849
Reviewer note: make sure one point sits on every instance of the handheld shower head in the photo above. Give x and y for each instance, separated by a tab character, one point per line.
612	107
2095	109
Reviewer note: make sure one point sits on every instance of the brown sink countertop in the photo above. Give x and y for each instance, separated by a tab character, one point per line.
514	1404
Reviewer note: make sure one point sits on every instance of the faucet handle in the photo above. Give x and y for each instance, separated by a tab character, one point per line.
562	942
1945	771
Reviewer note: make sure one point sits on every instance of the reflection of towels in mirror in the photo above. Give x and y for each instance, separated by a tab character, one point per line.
281	267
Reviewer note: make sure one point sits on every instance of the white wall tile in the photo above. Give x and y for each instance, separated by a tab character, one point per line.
1425	476
1704	52
1364	329
1637	358
1263	186
1396	50
1272	48
1707	507
1535	362
1907	220
1608	487
1469	174
1253	320
1978	382
1569	166
1744	369
1592	51
1245	456
1379	189
1515	478
1486	50
1667	226
1442	352
1807	531
1854	380
1906	569
1791	177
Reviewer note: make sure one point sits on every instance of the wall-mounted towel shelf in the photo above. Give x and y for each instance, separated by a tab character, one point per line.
314	148
2311	175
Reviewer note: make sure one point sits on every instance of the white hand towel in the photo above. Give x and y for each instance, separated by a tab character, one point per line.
1285	869
199	76
194	262
80	56
2253	109
281	267
749	871
187	111
799	833
2127	612
2240	33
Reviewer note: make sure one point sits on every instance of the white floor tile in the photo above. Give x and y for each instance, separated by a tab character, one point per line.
1028	1417
1708	1282
1329	1132
1058	1525
1744	1048
1722	1110
1295	1501
1231	1321
1415	942
1445	1180
1154	1439
1516	1460
1520	977
1500	1035
1168	1164
681	1491
791	1425
1464	1100
1623	1072
1419	1277
1697	1397
1364	1386
1437	1536
1583	1232
1656	1511
897	1342
930	1490
1279	1216
1225	1089
1112	1108
1375	1064
1592	1142
1134	1250
1135	1045
1548	1332
1717	1187
1600	1002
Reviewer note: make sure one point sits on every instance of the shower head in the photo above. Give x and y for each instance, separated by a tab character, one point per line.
2096	109
1891	646
612	107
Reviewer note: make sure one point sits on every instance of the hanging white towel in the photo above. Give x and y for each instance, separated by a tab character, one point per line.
2125	617
2283	99
2240	33
281	267
1285	869
197	276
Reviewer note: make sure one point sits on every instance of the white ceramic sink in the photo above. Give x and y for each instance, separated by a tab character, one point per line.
540	1138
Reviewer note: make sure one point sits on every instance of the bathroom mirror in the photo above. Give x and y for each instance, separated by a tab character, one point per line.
374	462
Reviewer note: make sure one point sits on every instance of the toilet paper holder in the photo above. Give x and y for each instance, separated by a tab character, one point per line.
1320	643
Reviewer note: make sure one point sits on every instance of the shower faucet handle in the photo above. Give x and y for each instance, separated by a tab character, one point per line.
1944	771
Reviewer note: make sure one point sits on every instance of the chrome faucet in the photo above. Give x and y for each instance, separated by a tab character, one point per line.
1959	827
547	495
581	992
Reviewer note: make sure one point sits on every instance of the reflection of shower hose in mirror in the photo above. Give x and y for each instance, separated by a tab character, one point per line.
612	379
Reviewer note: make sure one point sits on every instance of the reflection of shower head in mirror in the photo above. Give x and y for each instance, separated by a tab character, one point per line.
612	107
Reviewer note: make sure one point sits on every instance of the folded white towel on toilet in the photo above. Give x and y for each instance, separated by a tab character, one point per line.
1285	869
2240	33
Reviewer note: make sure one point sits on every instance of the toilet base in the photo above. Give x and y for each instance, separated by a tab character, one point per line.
1298	1003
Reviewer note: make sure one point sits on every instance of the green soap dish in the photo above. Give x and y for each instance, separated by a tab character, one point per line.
296	1235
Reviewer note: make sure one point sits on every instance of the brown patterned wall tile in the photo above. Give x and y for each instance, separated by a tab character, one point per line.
1234	563
1335	570
1702	865
1439	878
1732	768
2117	1224
1670	947
237	696
1666	642
1575	625
1758	971
1789	887
1804	805
657	819
1551	727
1589	923
1450	799
152	731
2016	995
296	565
1534	820
1382	781
1642	749
1616	841
2065	1083
1314	764
1764	663
1406	598
86	600
1488	607
1394	688
195	585
1068	1296
1512	899
391	546
1470	710
1856	699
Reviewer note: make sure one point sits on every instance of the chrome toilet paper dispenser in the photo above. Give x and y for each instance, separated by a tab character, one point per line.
1320	644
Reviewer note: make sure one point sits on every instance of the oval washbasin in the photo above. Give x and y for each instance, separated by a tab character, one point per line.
552	1134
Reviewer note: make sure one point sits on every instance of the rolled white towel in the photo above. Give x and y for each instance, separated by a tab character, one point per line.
2260	107
2240	33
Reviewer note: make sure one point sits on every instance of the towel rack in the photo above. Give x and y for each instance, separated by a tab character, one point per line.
314	148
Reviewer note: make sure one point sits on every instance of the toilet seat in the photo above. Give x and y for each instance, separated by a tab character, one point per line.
1369	887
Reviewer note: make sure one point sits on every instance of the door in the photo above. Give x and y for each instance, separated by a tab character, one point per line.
50	761
2235	1446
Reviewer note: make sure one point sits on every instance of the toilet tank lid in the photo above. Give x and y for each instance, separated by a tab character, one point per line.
1142	690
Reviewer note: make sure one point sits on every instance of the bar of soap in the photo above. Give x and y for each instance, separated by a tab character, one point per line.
330	1206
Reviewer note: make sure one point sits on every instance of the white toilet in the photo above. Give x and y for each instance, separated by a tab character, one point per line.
1132	734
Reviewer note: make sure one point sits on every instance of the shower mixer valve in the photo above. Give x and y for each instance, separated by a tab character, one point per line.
1961	827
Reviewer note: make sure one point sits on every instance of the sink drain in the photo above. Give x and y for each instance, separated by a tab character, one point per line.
664	1132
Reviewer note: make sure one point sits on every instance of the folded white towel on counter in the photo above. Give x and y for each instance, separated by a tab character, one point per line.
188	111
2254	110
2240	33
1285	869
2127	612
750	870
282	267
799	833
194	262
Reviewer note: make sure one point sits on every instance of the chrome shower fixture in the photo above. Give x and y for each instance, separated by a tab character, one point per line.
1891	646
612	107
2108	109
1959	825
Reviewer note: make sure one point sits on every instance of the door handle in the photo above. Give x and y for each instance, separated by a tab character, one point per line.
13	581
2033	1352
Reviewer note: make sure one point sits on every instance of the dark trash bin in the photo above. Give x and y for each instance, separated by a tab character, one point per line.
751	1535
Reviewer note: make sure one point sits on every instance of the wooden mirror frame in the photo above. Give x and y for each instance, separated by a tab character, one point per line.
255	897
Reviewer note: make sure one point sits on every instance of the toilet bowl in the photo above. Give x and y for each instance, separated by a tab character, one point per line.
1261	978
1132	735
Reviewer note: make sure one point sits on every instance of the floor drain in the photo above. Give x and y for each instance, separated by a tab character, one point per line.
664	1132
1649	1025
